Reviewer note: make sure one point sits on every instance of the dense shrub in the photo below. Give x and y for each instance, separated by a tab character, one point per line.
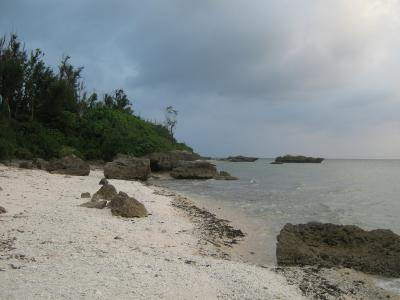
48	114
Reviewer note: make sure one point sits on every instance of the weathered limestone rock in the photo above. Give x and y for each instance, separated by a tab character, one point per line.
329	245
69	165
195	170
166	161
106	192
241	158
128	168
128	207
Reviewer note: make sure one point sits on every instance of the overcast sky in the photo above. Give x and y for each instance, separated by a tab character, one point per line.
259	77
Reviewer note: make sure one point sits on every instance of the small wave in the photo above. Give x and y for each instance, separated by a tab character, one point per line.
392	284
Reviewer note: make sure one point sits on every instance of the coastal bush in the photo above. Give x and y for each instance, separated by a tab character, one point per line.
47	113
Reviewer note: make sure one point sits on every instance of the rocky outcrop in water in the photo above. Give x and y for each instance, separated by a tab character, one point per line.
69	165
128	207
195	170
241	158
128	168
297	159
166	161
329	245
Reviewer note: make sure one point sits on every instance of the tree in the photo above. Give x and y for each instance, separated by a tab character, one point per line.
171	115
119	100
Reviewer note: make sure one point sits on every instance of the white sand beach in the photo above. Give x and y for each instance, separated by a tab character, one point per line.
50	248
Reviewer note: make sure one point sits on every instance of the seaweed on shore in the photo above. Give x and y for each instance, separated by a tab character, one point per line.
210	228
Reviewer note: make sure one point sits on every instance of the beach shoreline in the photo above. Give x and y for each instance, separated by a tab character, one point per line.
314	282
50	247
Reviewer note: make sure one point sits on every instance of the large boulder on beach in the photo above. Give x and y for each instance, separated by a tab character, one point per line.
166	161
128	207
2	210
195	170
69	165
106	192
329	245
128	168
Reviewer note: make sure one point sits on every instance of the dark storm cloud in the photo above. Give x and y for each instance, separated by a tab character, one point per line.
257	77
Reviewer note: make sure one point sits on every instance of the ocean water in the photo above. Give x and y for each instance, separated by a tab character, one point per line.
359	192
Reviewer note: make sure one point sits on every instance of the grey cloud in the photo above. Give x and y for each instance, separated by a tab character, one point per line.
257	77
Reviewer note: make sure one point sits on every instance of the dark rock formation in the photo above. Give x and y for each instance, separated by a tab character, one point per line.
128	207
2	210
85	195
329	245
106	192
103	181
297	159
166	161
95	204
69	165
223	175
26	165
277	163
241	158
40	163
128	168
195	170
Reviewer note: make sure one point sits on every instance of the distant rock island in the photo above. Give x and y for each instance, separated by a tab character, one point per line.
297	159
240	158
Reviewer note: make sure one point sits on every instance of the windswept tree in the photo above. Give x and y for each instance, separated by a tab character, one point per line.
171	115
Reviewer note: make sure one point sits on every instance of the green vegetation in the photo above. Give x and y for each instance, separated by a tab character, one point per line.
46	113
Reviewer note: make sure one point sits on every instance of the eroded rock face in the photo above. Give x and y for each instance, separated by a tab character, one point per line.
329	245
2	210
128	207
128	168
106	192
166	161
69	165
195	170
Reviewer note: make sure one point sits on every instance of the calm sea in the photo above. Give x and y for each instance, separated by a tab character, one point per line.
360	192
